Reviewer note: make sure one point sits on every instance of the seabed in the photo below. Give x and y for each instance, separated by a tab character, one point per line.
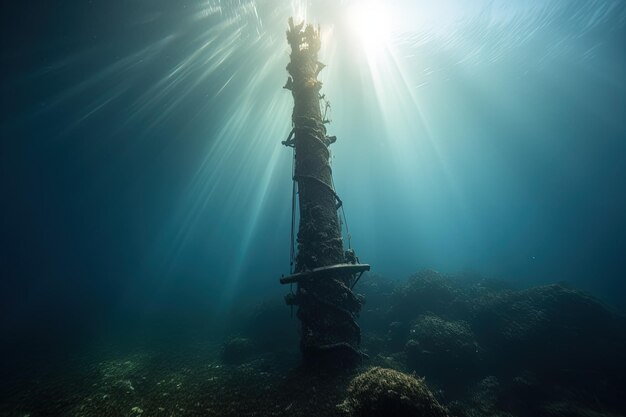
478	347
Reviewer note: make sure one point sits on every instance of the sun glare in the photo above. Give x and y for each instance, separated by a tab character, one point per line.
369	20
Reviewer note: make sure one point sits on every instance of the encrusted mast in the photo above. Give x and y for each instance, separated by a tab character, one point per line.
324	273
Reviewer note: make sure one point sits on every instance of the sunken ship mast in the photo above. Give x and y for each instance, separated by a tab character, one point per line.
325	275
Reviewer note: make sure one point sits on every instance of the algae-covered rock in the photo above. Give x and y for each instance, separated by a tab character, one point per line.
440	347
426	291
381	392
549	328
483	400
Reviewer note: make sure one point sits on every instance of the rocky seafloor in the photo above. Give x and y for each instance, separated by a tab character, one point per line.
438	346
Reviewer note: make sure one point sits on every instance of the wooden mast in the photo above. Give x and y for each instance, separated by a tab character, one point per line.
327	307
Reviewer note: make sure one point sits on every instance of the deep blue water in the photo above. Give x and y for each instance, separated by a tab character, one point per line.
142	172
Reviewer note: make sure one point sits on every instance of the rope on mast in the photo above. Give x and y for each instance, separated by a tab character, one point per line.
292	249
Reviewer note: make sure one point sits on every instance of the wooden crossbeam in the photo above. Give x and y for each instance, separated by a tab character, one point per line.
344	268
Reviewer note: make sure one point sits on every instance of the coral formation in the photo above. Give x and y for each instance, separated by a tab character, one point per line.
538	346
437	346
426	291
548	327
482	400
381	392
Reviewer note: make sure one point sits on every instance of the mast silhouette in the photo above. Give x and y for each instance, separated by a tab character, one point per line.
324	273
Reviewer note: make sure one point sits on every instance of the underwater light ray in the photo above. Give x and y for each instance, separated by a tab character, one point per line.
120	74
259	143
180	94
227	144
185	76
93	108
217	46
474	54
499	32
408	85
259	200
404	122
474	40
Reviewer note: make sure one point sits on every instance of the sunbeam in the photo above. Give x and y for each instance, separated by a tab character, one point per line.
199	86
454	208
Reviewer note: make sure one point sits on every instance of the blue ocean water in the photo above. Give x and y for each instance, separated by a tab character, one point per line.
144	182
